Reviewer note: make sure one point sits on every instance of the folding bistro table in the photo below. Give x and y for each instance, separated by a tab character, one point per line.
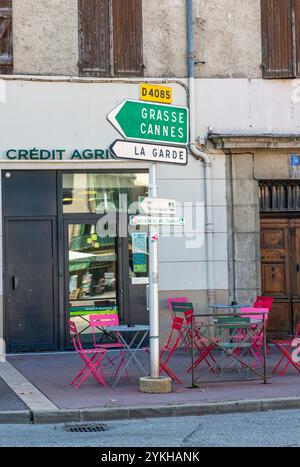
139	334
235	308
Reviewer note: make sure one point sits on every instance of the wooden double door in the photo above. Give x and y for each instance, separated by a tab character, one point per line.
280	270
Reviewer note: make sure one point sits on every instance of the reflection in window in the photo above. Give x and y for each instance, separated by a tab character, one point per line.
92	275
100	192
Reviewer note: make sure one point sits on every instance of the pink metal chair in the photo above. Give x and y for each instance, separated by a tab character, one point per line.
285	346
92	359
102	322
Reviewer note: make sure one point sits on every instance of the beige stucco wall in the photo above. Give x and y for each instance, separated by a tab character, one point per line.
164	38
45	38
227	37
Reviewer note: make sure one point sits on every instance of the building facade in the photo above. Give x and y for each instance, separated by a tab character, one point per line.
64	66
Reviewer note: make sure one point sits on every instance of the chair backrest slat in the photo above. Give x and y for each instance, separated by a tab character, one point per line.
181	307
263	302
75	337
172	300
173	340
104	321
234	322
255	312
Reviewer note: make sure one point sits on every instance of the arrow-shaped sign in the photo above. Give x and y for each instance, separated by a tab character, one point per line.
158	206
156	220
123	149
151	122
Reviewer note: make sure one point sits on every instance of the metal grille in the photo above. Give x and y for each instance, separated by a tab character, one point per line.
279	196
87	428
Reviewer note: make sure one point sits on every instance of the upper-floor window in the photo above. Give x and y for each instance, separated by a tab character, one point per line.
110	38
280	38
6	42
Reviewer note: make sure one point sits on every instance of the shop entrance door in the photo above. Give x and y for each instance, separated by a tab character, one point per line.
30	285
91	275
99	274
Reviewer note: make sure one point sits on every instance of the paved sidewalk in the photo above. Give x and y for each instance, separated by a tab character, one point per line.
50	375
9	401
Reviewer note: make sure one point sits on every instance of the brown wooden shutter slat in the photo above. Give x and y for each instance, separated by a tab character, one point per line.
94	38
6	40
127	37
278	38
297	35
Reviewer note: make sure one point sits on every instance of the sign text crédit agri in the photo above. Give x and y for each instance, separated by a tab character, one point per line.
55	154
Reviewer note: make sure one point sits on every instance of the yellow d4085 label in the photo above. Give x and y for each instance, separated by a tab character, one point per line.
156	93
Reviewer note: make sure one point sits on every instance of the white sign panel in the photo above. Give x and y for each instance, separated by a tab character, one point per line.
156	220
158	206
149	152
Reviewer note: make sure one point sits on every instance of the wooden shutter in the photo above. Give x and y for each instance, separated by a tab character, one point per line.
94	38
278	38
6	40
297	34
127	37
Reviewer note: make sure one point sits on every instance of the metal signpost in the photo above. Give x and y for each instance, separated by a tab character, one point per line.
141	123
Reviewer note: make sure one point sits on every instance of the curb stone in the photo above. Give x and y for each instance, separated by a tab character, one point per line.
15	417
127	413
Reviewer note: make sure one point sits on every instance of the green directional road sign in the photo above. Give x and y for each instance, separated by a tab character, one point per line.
145	121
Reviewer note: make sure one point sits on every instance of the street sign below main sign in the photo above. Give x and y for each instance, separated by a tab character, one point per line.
144	121
158	206
123	149
156	220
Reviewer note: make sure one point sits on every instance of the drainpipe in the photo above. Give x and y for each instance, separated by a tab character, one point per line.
202	156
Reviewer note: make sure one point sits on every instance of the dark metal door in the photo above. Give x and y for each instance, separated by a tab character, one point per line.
30	285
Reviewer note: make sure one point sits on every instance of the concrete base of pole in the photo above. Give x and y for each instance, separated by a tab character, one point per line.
161	385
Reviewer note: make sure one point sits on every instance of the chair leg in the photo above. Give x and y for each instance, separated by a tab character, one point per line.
84	368
91	367
169	372
122	362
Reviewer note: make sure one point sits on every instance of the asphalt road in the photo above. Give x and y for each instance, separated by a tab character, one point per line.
274	428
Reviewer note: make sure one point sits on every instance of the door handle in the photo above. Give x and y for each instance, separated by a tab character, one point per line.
147	297
15	282
297	268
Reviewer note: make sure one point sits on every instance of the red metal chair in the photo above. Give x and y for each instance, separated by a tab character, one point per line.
92	359
264	302
175	300
285	346
256	328
167	350
203	345
179	308
102	322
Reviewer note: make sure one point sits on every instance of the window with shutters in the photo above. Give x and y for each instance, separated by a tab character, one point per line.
110	38
6	47
280	38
